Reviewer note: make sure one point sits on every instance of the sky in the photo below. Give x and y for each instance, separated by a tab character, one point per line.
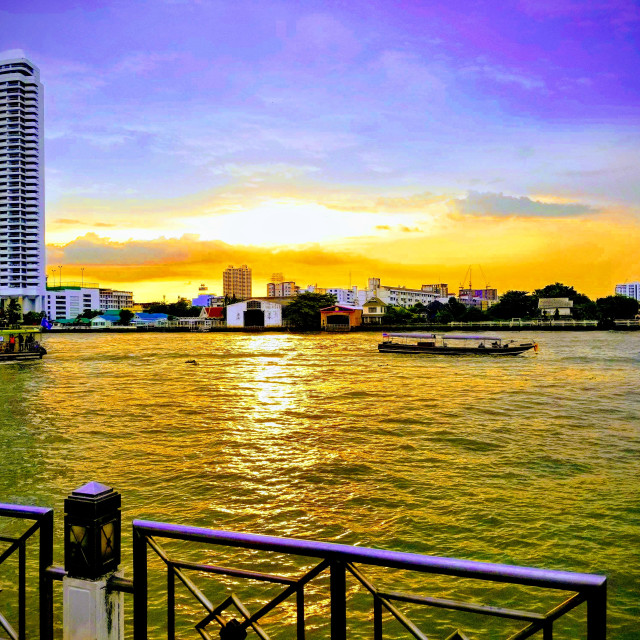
336	141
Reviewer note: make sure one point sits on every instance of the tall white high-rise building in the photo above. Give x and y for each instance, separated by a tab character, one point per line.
22	254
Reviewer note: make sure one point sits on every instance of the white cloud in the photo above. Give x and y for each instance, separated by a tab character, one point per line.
499	205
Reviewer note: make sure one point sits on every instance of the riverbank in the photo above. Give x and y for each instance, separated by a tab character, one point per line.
433	328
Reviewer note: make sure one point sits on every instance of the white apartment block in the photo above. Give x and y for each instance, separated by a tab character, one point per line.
631	290
22	258
70	302
236	281
115	300
402	296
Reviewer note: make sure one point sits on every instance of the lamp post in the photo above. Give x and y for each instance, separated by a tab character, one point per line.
92	526
60	273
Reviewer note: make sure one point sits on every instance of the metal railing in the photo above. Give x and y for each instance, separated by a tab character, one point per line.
340	561
43	522
526	323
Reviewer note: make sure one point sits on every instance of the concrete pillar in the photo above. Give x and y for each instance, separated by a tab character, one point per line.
91	611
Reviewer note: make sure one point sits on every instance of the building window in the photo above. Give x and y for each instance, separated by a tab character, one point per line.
254	304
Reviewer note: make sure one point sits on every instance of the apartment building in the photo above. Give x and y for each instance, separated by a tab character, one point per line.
22	255
236	281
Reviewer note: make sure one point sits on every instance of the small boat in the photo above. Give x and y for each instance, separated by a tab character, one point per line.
18	345
451	344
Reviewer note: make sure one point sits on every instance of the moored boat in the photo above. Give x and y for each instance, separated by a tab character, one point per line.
452	344
17	345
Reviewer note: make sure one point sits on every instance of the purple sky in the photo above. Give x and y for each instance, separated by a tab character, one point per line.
150	100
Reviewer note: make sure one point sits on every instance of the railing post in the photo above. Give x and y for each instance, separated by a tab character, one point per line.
597	614
338	601
91	611
45	560
139	585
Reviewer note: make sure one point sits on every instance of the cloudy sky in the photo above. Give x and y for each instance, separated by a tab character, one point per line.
333	141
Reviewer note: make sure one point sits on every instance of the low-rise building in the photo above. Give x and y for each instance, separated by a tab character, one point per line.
373	311
212	316
70	301
340	317
207	300
404	297
553	306
254	313
150	320
630	290
104	321
110	300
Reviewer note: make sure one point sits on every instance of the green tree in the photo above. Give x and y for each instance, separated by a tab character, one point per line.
473	314
514	304
457	309
33	318
125	316
303	312
444	316
89	315
433	308
616	308
14	311
398	316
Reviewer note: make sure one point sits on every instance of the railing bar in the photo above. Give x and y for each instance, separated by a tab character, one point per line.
377	619
403	620
396	613
140	584
240	573
4	623
300	621
159	550
29	532
289	590
24	512
171	604
247	615
214	614
22	591
482	609
597	615
191	586
338	588
45	584
7	539
563	580
565	607
118	583
550	617
9	550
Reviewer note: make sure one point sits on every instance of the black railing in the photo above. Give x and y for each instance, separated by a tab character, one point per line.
341	560
43	522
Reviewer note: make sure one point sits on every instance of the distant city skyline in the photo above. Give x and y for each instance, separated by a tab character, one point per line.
332	143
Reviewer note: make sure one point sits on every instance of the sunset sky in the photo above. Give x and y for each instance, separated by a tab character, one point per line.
334	141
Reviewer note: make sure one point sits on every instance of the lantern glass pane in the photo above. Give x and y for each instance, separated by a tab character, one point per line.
78	535
106	541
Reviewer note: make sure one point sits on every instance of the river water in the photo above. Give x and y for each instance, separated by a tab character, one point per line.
532	460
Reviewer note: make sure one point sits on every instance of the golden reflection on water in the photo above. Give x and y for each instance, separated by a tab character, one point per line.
531	461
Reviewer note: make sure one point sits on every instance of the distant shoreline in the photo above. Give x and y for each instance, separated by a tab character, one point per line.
362	329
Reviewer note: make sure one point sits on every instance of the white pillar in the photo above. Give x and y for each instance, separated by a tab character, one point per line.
90	611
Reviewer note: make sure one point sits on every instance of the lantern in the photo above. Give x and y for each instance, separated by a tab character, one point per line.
92	531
